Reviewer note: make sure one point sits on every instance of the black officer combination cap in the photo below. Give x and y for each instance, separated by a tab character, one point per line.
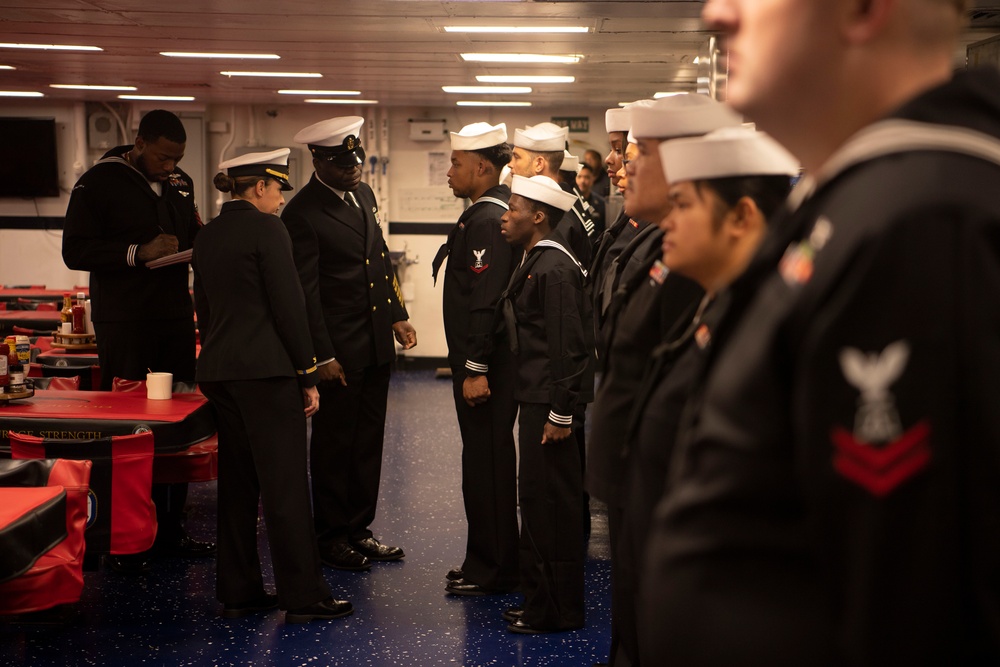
272	163
336	140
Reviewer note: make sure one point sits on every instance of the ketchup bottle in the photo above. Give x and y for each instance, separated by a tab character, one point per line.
79	315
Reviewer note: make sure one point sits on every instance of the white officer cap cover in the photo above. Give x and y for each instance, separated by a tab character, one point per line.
273	164
620	119
570	162
542	138
724	153
478	135
336	139
543	189
682	116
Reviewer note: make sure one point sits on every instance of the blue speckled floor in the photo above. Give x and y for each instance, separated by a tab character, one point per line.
402	617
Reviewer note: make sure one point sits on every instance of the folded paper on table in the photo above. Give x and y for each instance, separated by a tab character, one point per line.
176	258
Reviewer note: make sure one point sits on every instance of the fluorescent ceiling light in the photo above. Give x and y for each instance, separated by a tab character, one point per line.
159	98
526	78
196	54
84	86
288	91
479	103
494	90
7	67
20	93
49	47
291	75
657	96
519	58
516	29
328	100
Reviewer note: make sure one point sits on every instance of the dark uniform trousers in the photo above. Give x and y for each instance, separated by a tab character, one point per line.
346	454
550	482
167	346
264	458
489	476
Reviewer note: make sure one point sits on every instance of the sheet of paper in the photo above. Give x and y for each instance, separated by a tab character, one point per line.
177	258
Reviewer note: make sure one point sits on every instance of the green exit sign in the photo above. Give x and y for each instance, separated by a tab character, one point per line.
574	123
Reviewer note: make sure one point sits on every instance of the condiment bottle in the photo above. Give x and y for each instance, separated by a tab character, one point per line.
16	385
80	314
4	369
66	314
11	343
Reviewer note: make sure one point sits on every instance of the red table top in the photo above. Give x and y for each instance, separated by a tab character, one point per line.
42	320
176	423
47	315
119	406
39	294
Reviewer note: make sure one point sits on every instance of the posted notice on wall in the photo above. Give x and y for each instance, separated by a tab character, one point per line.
438	164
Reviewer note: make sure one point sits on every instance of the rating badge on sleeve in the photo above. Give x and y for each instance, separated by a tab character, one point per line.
479	266
879	455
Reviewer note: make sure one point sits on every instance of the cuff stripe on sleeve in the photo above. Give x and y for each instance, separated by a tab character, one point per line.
560	420
477	368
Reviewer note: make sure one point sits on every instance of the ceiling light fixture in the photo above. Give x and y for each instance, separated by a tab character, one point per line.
158	98
244	56
523	78
84	86
519	58
288	91
517	29
291	75
479	103
327	100
20	93
658	96
49	47
487	90
7	67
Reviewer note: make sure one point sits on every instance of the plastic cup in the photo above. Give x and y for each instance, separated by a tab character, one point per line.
159	386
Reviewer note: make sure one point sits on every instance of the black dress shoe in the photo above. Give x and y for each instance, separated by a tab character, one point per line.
130	564
466	587
188	547
455	574
522	628
511	614
341	556
266	602
372	549
324	610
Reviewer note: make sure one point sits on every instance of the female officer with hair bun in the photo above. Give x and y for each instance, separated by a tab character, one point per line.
258	370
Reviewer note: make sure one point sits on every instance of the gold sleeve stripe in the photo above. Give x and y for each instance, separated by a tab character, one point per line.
395	288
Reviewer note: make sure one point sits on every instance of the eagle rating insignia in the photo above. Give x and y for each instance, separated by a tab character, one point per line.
879	455
479	266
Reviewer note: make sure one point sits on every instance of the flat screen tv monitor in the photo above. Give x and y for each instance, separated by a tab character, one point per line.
28	157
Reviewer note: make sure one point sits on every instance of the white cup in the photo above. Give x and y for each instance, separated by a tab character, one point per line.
66	327
158	385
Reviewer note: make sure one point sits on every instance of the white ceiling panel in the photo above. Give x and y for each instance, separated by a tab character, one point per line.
395	51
